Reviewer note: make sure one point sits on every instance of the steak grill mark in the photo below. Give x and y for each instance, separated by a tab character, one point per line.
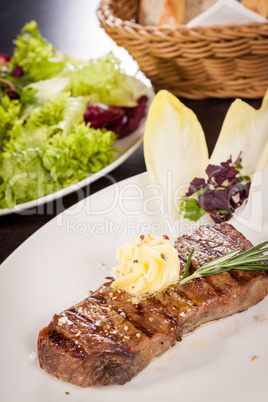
108	339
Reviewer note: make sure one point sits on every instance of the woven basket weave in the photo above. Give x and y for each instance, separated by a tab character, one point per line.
195	63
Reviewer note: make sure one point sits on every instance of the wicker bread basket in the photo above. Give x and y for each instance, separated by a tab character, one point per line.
196	63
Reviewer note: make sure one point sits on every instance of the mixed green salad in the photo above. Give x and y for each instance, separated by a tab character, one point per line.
59	117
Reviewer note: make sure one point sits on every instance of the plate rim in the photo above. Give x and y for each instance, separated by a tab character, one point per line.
141	178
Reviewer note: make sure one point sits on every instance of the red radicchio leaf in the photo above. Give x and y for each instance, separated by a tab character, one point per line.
17	72
100	115
5	57
121	120
12	93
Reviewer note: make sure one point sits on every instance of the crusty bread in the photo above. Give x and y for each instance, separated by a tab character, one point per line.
176	12
258	6
195	7
150	11
161	12
172	12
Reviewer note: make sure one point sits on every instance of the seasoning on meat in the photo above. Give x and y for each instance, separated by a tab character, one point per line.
105	353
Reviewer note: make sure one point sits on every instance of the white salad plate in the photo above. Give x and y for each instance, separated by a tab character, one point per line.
127	146
226	360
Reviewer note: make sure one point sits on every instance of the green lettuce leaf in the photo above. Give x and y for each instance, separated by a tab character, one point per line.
70	158
9	112
44	143
100	79
38	58
104	82
47	89
24	177
51	150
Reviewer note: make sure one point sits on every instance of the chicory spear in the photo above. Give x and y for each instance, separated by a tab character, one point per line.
45	143
175	149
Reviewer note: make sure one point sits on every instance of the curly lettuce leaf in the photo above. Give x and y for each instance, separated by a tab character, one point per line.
70	158
24	177
9	113
51	150
48	163
45	144
47	89
102	79
51	113
37	57
104	82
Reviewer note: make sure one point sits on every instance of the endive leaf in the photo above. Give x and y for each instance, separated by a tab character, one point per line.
263	160
252	217
244	129
175	148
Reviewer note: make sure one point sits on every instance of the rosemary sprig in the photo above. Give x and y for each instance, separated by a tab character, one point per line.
187	266
249	260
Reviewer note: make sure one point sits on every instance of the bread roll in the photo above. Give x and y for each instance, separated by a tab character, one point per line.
161	12
176	12
195	7
258	6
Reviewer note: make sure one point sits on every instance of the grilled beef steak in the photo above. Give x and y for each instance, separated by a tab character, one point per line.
108	338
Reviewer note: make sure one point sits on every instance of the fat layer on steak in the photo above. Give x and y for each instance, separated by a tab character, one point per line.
108	338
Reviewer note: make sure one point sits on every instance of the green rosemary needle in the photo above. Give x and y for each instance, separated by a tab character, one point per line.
249	260
188	262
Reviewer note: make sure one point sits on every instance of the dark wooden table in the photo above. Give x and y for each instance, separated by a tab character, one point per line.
72	26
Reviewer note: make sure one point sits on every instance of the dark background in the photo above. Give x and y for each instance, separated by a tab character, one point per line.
72	27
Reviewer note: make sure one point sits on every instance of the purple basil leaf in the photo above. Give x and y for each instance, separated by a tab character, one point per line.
17	72
221	200
218	174
121	120
214	199
241	190
235	189
195	185
227	164
232	182
247	189
219	217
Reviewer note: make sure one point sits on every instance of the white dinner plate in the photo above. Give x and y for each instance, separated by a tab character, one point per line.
127	146
226	360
